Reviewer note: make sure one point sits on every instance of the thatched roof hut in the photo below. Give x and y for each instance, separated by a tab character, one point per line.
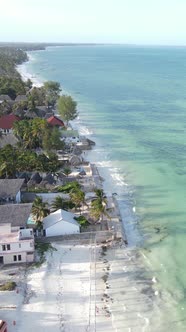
8	139
5	98
76	151
10	187
15	214
75	160
21	98
34	180
25	176
48	182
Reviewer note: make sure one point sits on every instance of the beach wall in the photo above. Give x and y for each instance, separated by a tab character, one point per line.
85	237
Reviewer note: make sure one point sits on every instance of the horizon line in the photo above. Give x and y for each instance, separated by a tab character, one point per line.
89	43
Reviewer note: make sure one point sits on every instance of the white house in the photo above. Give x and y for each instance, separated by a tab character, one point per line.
60	222
10	190
16	247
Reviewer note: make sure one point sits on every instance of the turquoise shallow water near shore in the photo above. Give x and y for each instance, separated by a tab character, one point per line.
132	102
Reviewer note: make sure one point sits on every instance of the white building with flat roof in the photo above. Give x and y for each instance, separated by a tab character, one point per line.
17	246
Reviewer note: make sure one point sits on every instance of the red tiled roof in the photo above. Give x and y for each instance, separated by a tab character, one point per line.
54	121
7	121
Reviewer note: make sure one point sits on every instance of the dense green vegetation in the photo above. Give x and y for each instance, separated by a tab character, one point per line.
60	203
82	221
14	160
37	133
11	83
69	187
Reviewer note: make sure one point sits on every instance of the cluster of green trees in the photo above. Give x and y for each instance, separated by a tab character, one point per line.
40	209
12	85
47	95
37	133
10	80
9	58
77	200
15	160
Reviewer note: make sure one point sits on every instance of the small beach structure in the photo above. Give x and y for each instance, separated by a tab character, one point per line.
54	121
75	160
31	114
6	123
59	223
10	190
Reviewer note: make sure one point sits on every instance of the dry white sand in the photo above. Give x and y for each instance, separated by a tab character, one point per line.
80	288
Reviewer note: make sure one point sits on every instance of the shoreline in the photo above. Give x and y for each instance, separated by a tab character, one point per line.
129	254
95	170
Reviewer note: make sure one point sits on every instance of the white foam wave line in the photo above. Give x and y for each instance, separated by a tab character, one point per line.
83	130
114	173
26	75
106	163
31	57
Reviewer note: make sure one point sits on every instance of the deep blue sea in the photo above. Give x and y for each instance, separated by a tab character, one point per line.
132	102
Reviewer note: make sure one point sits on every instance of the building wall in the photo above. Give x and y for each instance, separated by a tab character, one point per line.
62	228
19	246
17	250
8	258
6	131
5	228
16	228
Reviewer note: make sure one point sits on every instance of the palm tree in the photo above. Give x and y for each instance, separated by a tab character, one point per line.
67	171
99	205
59	203
39	209
78	197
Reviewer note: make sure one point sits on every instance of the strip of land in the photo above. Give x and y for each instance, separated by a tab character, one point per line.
86	282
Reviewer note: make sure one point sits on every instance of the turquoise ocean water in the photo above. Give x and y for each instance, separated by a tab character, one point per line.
132	102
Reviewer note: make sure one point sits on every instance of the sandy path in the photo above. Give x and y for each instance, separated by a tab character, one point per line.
60	292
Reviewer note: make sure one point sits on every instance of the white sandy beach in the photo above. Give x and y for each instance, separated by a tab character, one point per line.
80	288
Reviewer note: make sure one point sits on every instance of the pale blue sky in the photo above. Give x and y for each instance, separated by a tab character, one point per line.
109	21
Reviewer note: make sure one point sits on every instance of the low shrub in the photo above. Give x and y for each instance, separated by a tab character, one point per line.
8	286
67	188
82	221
